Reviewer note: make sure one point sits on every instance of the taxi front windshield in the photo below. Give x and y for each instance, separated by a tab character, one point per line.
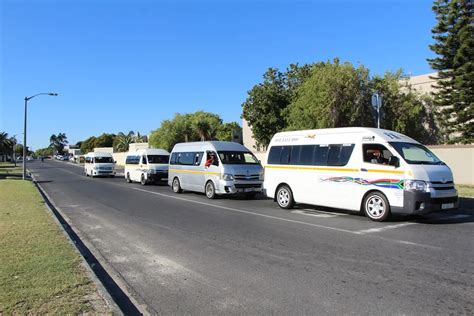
237	158
416	154
103	160
158	158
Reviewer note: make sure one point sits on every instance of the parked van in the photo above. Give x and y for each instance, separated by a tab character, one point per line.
214	168
372	170
147	166
99	164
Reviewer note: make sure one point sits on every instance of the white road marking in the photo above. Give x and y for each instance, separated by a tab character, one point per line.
314	214
278	218
381	229
247	212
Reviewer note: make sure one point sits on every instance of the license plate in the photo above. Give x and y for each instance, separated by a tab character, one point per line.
249	190
447	205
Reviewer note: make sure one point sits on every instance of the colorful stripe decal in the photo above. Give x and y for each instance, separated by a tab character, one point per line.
382	183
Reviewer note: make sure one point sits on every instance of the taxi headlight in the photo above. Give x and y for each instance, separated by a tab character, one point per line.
416	185
227	177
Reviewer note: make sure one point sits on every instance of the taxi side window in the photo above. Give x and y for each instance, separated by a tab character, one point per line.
144	161
376	153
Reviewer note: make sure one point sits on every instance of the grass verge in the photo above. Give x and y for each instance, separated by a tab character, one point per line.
466	191
40	272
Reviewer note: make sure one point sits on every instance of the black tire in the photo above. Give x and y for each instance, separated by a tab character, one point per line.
210	190
284	197
176	186
376	206
143	180
127	178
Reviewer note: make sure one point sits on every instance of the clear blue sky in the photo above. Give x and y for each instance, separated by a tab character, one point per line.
127	65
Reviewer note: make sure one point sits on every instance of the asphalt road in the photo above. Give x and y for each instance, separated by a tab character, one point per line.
185	254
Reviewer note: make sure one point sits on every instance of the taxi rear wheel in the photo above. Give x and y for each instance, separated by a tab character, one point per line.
176	186
284	197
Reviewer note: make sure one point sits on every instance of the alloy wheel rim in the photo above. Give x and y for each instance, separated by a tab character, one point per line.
283	197
209	190
375	207
175	185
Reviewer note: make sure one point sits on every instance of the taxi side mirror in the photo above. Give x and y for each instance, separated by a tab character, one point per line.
394	161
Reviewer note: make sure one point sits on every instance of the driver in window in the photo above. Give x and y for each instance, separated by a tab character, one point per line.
376	156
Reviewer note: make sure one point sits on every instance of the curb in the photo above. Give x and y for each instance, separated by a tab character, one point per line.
112	290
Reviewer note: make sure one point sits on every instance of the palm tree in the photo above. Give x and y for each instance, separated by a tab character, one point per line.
122	141
5	144
57	142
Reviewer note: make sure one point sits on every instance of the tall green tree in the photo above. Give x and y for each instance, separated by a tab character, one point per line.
454	47
335	95
206	124
266	102
405	110
58	142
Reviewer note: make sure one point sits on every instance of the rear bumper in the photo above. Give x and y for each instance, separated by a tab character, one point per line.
158	177
423	203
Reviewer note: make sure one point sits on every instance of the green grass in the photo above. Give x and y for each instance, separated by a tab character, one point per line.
40	272
466	191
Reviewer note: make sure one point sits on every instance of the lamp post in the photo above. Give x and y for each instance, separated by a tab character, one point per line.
377	104
24	129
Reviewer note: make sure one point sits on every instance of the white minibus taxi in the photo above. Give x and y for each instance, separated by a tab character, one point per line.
99	164
215	168
372	170
147	166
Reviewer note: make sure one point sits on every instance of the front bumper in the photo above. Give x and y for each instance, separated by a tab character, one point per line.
423	203
158	177
230	187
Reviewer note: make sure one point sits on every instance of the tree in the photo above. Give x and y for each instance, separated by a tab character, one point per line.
263	108
205	124
335	95
58	142
5	143
104	140
226	131
43	152
197	126
454	47
88	145
404	110
123	141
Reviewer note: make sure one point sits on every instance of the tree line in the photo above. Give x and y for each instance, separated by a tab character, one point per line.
197	126
334	94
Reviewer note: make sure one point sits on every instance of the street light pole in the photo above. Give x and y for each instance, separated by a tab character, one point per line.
24	128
